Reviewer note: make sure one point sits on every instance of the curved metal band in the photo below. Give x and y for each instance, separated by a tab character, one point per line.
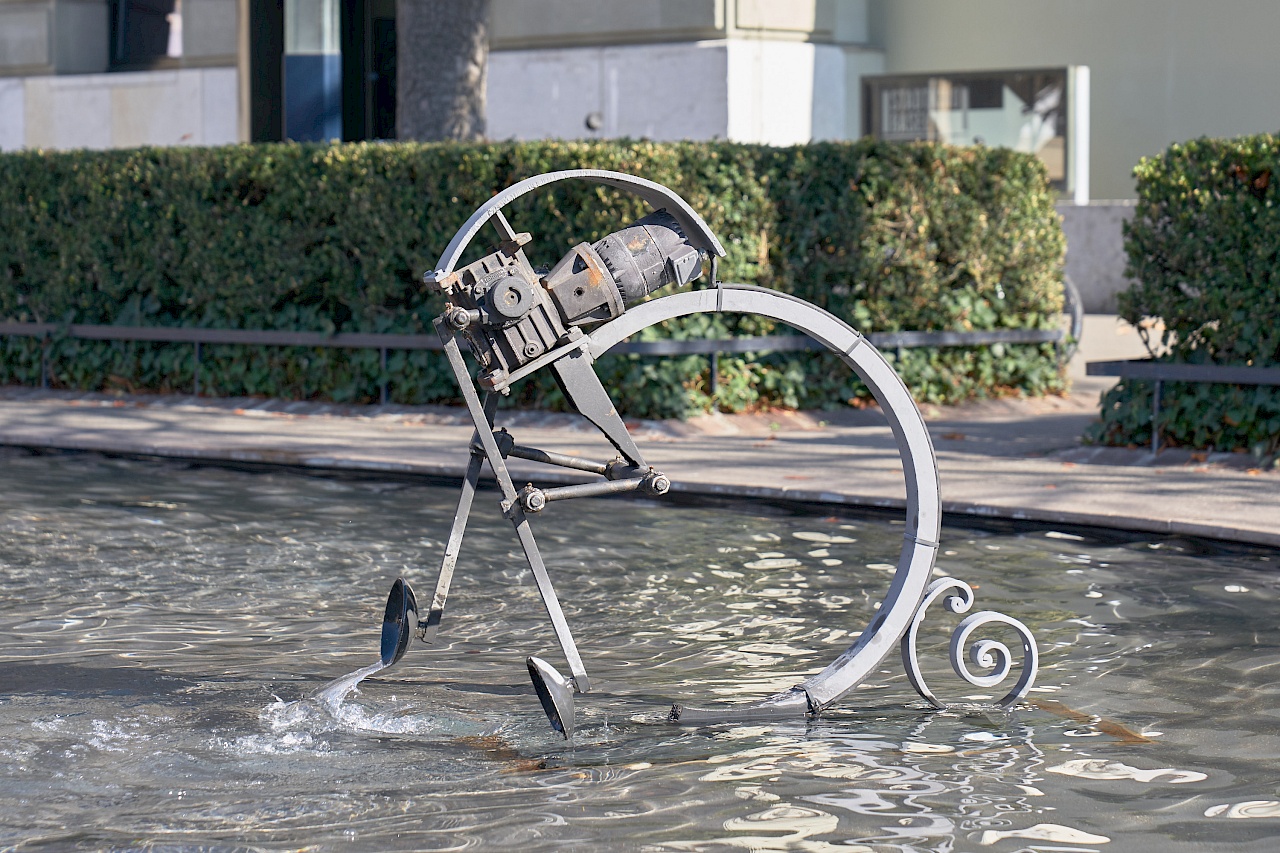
656	195
924	501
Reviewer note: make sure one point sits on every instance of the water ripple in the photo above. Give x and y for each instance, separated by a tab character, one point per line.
151	613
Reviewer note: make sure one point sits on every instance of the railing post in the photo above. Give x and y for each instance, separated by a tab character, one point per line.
715	373
382	376
1155	418
44	361
196	370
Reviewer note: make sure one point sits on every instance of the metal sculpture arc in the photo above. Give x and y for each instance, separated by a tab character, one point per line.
515	321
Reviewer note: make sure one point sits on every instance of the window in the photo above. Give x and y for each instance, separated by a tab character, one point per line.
1023	110
144	32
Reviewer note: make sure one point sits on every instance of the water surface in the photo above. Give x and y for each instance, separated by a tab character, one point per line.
162	628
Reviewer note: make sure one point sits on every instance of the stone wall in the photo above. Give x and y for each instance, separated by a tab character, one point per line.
189	106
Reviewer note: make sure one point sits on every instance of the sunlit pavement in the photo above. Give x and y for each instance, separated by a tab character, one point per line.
1018	459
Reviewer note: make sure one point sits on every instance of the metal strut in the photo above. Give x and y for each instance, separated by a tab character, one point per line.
428	630
512	508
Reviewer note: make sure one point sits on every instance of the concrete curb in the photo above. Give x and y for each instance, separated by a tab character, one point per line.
1011	460
954	510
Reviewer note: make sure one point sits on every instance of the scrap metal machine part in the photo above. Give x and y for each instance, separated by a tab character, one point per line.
515	321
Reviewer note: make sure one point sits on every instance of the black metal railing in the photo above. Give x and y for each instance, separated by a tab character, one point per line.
1159	372
712	347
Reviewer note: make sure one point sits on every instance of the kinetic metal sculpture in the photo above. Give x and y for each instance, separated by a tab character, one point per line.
515	321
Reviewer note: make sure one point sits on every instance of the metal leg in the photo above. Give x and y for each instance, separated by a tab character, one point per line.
549	600
454	546
513	511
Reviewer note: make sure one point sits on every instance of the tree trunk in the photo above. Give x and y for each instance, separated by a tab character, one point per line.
442	55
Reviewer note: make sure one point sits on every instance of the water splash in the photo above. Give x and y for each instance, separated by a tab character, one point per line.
335	691
328	709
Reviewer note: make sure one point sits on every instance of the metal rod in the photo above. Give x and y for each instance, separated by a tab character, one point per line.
44	362
582	388
195	370
549	457
1145	368
715	372
122	11
593	490
1155	418
484	430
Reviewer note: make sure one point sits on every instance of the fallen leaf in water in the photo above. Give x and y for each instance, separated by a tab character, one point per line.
954	436
1116	730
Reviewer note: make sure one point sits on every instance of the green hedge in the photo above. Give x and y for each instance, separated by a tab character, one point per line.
336	237
1204	254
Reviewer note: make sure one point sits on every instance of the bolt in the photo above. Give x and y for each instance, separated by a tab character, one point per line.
533	499
458	318
659	484
531	349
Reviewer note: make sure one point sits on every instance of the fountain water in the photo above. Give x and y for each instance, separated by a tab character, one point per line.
151	612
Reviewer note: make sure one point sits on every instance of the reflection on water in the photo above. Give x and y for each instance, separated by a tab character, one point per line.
168	635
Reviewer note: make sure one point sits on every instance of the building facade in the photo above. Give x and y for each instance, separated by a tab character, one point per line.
115	73
118	73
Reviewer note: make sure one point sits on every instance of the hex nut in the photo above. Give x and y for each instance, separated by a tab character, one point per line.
459	318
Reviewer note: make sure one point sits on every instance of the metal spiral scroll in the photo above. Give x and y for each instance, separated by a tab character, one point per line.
991	655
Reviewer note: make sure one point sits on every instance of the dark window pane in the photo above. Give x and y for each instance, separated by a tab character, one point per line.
986	94
140	30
